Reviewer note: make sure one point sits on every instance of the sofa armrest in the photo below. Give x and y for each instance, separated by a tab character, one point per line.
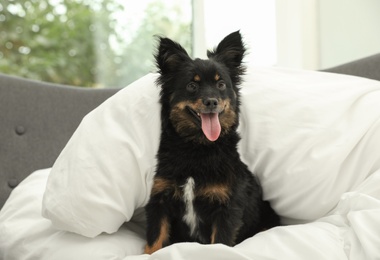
368	67
36	121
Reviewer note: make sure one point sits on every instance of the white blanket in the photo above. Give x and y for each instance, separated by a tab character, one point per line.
351	231
312	138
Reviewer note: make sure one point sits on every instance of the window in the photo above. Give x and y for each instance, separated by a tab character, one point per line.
256	20
110	43
104	43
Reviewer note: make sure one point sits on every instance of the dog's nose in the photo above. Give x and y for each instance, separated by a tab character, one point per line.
210	103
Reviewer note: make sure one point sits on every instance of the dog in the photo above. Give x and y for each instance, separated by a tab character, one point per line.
202	191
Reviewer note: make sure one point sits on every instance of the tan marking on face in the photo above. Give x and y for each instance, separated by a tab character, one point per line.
217	77
215	193
162	238
181	119
228	118
185	125
196	106
197	78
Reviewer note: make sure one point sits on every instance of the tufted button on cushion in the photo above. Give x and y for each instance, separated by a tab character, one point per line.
12	183
20	130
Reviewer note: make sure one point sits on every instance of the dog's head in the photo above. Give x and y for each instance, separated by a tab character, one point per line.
200	98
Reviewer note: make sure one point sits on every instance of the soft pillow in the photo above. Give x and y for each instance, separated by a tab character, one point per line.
104	172
309	137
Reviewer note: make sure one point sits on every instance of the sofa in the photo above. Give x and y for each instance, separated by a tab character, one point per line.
37	120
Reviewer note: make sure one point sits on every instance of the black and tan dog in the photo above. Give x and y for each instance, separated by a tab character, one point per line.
202	191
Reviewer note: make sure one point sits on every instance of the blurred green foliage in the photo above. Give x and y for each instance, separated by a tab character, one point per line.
83	42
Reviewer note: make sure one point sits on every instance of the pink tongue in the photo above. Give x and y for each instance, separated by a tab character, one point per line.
211	126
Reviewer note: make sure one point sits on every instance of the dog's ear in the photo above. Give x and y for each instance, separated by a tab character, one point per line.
169	56
230	51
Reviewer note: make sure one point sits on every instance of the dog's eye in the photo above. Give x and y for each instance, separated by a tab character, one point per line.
192	87
221	85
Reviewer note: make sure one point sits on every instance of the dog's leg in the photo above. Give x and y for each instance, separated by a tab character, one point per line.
157	213
225	228
158	235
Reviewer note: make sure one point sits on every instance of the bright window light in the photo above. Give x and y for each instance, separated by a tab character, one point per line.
256	20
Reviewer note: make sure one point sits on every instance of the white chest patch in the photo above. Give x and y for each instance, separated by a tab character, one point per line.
190	217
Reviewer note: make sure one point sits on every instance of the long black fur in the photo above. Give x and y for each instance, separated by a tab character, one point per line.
227	202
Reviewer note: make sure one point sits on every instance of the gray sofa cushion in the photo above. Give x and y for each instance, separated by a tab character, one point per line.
36	121
368	67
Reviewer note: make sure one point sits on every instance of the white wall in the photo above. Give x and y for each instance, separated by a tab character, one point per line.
317	34
349	29
305	34
256	20
297	34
